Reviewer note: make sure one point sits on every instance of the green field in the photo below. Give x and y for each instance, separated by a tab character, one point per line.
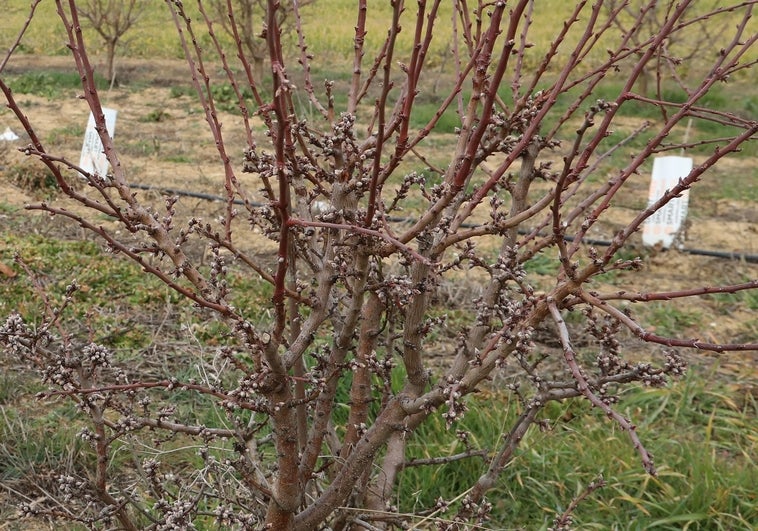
153	36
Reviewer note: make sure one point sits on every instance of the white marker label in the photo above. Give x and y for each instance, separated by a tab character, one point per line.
93	159
663	226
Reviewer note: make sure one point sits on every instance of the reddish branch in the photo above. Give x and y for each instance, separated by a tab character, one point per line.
677	294
21	32
564	520
644	335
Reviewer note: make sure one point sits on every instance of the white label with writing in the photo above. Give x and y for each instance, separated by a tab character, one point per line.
93	159
664	225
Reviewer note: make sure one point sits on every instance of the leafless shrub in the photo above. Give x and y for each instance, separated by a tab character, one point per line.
682	56
111	19
354	279
245	22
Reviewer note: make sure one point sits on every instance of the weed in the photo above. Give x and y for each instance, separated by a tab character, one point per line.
226	99
156	116
669	320
542	265
33	177
178	92
223	95
142	147
61	135
51	84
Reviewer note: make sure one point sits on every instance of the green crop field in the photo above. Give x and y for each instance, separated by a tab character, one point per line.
328	28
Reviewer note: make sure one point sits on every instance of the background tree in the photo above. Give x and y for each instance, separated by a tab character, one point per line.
245	22
111	19
318	396
681	56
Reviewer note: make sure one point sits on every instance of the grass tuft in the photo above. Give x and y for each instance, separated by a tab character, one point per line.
704	442
51	84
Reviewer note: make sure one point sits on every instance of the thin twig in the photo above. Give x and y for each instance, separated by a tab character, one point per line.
584	387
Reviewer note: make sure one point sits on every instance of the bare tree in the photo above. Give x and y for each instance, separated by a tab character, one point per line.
681	55
245	22
365	247
111	19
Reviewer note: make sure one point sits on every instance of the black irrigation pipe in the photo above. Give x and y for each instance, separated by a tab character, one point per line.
749	258
198	195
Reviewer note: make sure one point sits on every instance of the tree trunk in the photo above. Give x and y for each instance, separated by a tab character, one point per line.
258	62
111	62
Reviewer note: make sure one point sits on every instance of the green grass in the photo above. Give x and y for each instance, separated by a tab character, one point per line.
741	103
6	208
667	319
61	135
727	303
542	264
142	147
51	84
33	452
180	159
119	307
150	38
423	113
329	43
735	185
112	285
704	442
82	260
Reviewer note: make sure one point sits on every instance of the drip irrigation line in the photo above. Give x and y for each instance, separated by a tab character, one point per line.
750	258
184	193
727	255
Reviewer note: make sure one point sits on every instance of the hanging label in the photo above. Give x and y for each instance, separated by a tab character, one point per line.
93	159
